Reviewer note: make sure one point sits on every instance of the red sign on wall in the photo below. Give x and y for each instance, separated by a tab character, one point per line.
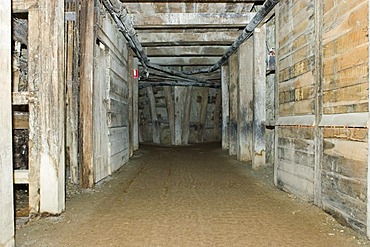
135	74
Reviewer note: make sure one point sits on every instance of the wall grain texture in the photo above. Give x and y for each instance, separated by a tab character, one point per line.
337	44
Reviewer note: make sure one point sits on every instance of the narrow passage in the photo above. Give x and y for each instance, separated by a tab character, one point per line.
189	196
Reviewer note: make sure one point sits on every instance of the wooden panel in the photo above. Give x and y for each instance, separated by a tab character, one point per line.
296	57
117	99
345	58
6	152
295	160
344	174
101	164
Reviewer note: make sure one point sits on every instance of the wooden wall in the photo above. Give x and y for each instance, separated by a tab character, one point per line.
322	112
295	154
345	110
111	98
195	115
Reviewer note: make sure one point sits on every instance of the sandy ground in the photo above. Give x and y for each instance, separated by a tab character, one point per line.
191	196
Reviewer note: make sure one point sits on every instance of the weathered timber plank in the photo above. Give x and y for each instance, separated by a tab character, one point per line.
225	106
72	108
180	61
204	92
115	120
130	105
52	106
299	171
233	89
340	213
6	151
217	116
186	120
187	20
86	82
300	157
259	97
245	102
207	51
153	113
295	185
19	6
136	109
170	111
188	38
100	111
34	79
179	109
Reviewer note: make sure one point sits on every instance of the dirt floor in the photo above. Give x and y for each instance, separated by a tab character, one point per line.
191	196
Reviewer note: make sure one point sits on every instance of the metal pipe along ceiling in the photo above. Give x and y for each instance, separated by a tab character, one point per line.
119	14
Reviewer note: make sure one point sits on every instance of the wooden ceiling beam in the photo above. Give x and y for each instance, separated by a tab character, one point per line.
166	51
190	20
185	38
181	61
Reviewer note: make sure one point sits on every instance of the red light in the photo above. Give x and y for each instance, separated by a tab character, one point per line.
135	74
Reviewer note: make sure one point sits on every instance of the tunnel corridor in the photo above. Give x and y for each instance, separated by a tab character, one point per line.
184	123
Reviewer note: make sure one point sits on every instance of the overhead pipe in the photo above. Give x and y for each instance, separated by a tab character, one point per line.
246	34
145	83
119	13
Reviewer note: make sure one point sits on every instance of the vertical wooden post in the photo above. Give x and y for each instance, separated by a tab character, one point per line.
34	79
52	107
217	113
178	114
186	121
170	111
225	105
130	103
203	113
6	137
86	92
276	92
153	113
233	89
245	102
318	104
72	96
135	104
259	108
